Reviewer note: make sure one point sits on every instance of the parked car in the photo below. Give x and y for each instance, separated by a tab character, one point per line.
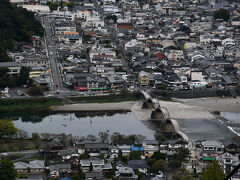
19	93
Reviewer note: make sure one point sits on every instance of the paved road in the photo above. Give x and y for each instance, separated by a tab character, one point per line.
26	154
57	84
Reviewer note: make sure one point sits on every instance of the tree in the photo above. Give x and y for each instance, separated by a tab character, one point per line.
135	155
103	136
158	165
90	136
35	90
159	136
7	171
23	76
35	136
175	161
213	172
222	14
158	156
53	6
3	72
117	137
22	134
7	128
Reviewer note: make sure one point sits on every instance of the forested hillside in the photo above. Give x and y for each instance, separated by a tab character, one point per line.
16	25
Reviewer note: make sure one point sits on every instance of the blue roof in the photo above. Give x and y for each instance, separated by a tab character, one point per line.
137	148
65	178
69	36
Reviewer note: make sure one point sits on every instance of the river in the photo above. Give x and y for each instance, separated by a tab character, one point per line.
232	120
83	123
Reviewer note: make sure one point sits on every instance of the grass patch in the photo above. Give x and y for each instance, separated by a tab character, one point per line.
31	104
7	145
114	98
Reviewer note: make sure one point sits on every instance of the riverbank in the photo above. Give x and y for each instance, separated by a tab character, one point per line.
28	104
45	103
119	106
214	104
111	98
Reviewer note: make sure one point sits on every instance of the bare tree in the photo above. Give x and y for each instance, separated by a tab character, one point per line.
22	134
103	136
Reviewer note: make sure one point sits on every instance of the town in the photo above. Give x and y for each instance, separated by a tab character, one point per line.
156	54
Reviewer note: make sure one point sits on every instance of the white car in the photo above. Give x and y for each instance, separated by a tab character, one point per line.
7	95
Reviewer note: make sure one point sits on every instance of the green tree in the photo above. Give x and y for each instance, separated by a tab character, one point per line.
7	171
71	4
35	90
7	128
213	172
3	55
135	155
35	136
158	165
23	76
159	136
3	72
175	161
159	155
53	6
222	14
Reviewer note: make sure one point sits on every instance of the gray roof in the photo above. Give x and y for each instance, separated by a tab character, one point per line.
36	164
8	64
59	167
136	164
94	175
88	162
96	146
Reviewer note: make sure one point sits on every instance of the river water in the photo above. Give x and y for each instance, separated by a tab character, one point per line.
84	123
232	121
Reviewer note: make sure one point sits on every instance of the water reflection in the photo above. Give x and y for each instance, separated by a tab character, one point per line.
83	123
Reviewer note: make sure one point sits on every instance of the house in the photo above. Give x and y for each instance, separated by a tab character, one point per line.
80	144
113	152
82	12
126	26
211	149
35	166
171	81
125	173
95	164
125	149
116	83
67	154
236	21
35	61
13	67
103	53
94	175
138	164
109	1
232	148
71	37
228	163
175	55
131	44
175	144
119	164
95	149
57	169
150	146
143	78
